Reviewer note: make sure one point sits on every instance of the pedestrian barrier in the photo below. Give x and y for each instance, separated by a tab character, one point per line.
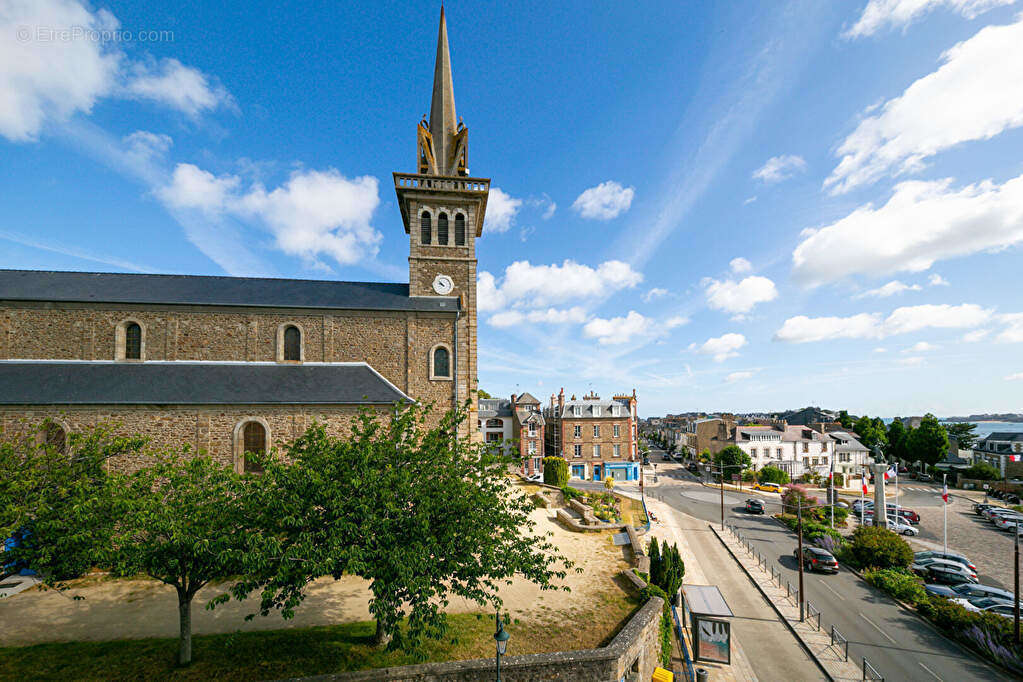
812	611
836	637
869	673
687	662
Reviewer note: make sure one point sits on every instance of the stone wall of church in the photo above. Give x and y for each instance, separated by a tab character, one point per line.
213	430
395	343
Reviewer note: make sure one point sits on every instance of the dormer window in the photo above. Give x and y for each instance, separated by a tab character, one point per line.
577	410
596	410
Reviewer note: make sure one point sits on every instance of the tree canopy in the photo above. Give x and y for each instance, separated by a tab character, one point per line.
929	442
898	443
733	458
871	432
964	433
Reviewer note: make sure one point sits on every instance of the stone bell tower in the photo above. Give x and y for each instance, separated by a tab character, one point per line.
442	208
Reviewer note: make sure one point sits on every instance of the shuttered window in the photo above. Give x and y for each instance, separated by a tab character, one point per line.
442	229
459	230
425	228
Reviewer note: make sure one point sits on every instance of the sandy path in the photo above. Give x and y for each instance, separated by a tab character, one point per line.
116	609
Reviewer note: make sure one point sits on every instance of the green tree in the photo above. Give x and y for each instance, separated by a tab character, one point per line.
845	419
59	499
897	441
964	433
185	522
869	433
483	394
878	547
929	442
983	471
771	474
555	471
733	459
408	504
674	570
654	550
705	455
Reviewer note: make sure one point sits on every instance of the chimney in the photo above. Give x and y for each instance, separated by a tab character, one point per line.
561	400
513	400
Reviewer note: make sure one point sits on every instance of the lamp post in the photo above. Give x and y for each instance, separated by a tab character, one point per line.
721	469
501	637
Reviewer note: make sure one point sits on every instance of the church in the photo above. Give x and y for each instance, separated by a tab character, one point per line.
232	365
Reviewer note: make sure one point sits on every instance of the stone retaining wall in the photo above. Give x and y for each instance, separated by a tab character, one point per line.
633	650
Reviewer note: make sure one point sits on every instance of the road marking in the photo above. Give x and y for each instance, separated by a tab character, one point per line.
886	635
929	670
831	590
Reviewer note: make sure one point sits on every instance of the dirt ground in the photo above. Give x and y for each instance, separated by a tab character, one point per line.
118	609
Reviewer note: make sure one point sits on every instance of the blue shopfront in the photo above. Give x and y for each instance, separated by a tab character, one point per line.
578	471
622	471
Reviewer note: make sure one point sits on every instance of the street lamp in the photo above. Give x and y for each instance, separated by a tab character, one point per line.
501	636
721	469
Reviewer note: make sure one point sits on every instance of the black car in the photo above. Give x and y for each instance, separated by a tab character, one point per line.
946	576
693	467
754	506
817	559
980	507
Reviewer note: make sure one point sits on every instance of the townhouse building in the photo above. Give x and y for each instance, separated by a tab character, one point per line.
598	438
791	448
519	424
1003	450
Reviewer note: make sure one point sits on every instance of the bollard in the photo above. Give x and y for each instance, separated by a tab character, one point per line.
702	675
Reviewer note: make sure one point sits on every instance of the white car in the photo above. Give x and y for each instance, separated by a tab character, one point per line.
536	478
1008	521
901	527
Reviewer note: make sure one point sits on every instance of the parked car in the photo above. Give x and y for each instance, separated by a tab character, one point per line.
924	478
859	505
767	487
978	604
947	556
754	506
1012	498
922	566
980	507
947	575
908	515
896	525
1008	521
693	467
817	559
968	590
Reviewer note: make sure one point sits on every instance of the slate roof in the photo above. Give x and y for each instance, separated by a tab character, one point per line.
192	383
1005	436
494	407
588	405
100	287
847	442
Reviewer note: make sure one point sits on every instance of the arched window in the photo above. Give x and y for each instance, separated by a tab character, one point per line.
253	441
292	344
54	436
495	423
425	229
441	363
459	230
132	341
442	229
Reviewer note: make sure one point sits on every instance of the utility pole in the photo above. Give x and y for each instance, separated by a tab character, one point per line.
799	532
1015	591
722	498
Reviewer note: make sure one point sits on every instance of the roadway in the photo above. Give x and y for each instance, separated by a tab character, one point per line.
898	644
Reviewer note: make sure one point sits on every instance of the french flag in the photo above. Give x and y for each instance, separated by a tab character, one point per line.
864	480
944	492
892	472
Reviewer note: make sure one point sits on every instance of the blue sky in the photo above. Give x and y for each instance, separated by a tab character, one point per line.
727	206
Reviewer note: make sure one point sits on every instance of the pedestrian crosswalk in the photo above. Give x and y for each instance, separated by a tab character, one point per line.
921	490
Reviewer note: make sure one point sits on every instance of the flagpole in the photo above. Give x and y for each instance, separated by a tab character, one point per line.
831	492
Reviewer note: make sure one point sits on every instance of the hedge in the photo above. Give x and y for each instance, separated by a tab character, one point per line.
876	547
900	584
555	471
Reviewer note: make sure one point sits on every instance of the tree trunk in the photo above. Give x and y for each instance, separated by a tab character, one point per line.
185	621
380	637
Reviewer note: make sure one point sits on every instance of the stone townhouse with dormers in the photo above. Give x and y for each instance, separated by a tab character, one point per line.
519	424
232	365
598	438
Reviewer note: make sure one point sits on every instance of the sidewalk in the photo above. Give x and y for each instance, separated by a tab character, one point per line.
762	646
819	642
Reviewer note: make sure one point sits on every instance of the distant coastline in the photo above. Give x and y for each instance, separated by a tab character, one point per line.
1010	417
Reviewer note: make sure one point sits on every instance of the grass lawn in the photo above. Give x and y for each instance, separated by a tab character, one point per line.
311	651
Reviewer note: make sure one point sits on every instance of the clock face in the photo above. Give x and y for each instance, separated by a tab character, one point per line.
443	285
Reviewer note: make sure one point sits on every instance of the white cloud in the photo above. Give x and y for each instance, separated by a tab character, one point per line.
501	210
618	330
739	297
740	265
312	214
546	203
778	168
511	318
890	289
43	80
920	347
911	362
1018	376
803	329
922	222
1013	333
605	201
147	144
879	349
900	13
180	87
974	95
534	286
721	347
749	200
656	292
738	376
936	280
46	78
975	336
676	321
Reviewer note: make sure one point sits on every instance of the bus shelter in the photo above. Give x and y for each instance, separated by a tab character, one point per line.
706	615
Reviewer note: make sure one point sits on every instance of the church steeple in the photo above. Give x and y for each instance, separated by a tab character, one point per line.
442	143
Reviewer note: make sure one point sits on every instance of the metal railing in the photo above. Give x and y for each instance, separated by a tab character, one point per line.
687	662
836	636
813	612
870	673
